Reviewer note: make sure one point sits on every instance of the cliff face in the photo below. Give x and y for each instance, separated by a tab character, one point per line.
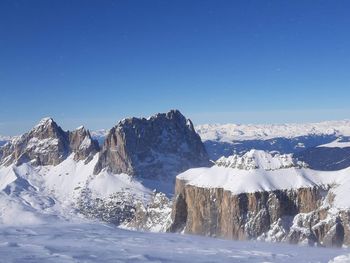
163	145
296	216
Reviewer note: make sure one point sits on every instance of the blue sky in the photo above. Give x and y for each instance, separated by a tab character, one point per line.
95	62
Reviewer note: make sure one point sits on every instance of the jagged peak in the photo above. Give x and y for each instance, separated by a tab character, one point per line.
81	127
45	123
257	159
174	112
171	114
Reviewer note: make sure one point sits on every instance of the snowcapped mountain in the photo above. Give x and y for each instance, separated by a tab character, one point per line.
50	175
51	172
243	132
99	135
227	139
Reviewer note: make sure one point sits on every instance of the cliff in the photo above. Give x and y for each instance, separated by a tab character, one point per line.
295	215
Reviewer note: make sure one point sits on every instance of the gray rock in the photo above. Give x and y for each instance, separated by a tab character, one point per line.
82	144
155	148
294	215
48	144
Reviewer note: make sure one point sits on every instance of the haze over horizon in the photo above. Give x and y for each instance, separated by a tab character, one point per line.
94	63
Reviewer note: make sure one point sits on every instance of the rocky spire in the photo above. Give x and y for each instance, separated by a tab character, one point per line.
48	144
159	146
81	143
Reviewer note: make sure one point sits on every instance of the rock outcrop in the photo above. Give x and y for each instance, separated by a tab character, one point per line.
82	144
297	216
48	144
158	147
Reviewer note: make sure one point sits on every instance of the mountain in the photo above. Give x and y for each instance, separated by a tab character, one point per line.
227	139
48	144
51	172
157	148
327	157
99	135
264	197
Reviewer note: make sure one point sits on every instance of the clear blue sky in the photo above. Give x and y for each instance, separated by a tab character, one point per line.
95	62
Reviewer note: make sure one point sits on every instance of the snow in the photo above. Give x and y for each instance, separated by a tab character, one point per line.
68	177
106	184
336	144
239	132
41	145
249	181
51	191
43	122
94	242
257	159
341	259
85	144
99	133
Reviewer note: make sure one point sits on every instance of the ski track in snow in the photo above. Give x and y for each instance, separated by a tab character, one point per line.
96	242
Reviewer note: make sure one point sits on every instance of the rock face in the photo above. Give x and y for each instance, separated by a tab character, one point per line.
160	146
296	216
82	144
48	144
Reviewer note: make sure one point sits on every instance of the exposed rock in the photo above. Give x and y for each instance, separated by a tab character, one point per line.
48	144
255	159
295	216
154	216
82	144
158	147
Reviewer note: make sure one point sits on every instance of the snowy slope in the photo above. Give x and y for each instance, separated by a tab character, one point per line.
94	242
239	132
55	190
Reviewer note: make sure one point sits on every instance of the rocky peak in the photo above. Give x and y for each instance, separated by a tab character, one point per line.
48	144
257	159
82	144
157	147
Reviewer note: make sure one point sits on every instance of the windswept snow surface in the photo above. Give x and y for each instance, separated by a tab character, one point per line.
240	132
249	181
95	242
